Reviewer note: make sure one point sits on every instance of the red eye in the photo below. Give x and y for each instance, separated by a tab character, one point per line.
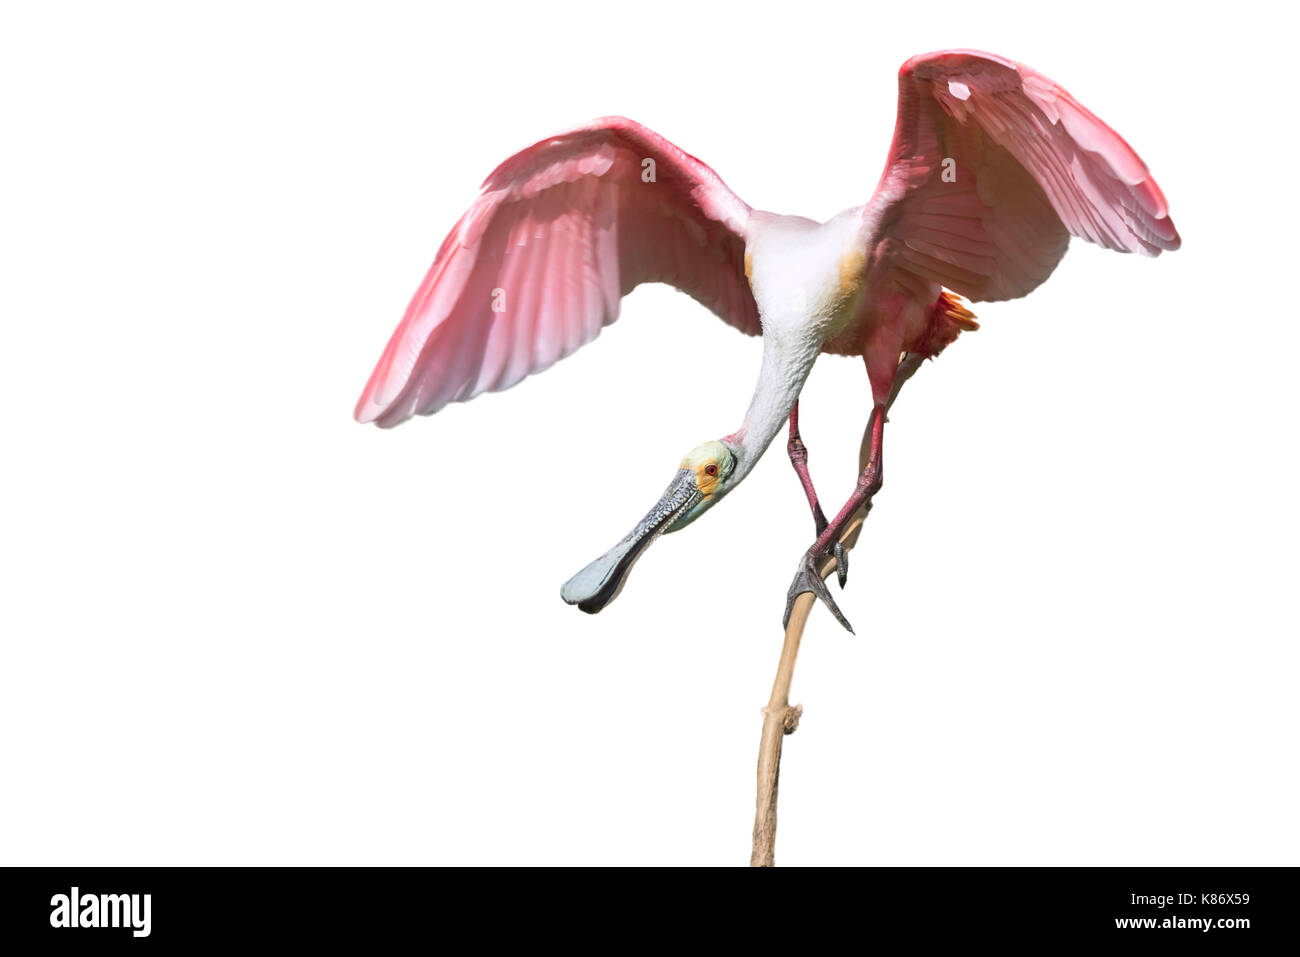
710	470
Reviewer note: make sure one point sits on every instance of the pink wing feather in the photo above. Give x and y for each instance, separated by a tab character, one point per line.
1030	166
536	268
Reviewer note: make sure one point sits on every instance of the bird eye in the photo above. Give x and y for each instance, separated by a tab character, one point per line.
710	470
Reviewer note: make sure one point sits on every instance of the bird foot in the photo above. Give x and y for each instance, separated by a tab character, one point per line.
807	579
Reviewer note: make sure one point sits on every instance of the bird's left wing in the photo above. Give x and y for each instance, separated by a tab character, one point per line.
560	232
993	167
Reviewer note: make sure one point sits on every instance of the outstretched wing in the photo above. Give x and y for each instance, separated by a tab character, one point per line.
558	235
993	167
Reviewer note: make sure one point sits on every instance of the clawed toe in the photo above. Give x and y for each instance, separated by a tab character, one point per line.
806	579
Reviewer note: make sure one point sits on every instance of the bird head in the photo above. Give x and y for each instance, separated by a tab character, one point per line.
704	476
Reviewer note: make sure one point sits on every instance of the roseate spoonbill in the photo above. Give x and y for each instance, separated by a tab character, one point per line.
992	168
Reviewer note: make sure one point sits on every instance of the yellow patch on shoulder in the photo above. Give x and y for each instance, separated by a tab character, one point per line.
852	265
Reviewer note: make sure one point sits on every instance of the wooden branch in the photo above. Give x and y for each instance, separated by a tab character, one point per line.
779	718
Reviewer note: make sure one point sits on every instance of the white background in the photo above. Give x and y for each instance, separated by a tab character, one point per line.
240	628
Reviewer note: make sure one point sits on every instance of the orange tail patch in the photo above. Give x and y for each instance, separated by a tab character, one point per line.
948	319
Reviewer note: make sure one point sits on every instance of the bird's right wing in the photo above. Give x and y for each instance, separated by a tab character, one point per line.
559	234
993	167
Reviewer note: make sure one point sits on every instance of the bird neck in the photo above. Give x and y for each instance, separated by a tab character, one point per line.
787	360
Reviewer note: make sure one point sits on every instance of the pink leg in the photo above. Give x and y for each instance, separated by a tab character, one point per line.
869	483
807	578
799	459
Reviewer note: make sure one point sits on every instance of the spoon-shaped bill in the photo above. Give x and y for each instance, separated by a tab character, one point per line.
600	582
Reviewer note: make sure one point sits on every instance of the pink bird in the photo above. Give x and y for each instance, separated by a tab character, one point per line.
992	169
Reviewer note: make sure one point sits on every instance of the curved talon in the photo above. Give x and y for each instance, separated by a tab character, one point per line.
842	565
806	579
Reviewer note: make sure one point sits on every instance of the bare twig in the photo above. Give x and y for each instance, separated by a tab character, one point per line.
779	718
